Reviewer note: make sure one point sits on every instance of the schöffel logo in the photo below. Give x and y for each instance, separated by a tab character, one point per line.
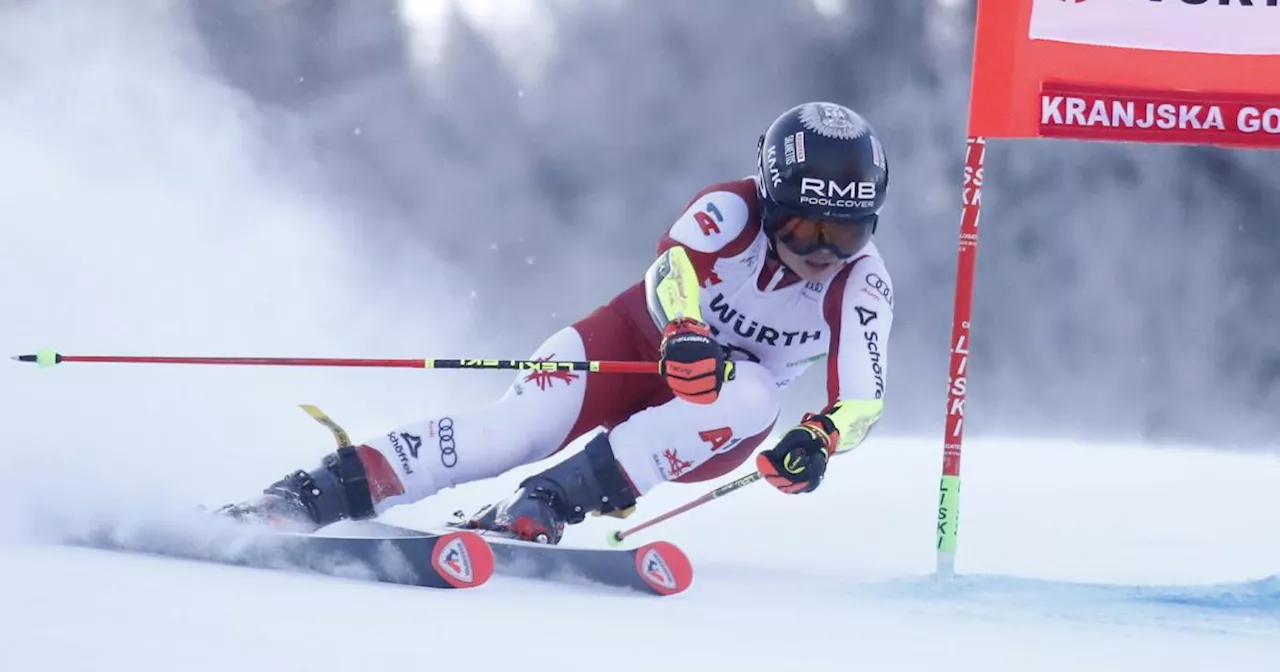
414	441
402	454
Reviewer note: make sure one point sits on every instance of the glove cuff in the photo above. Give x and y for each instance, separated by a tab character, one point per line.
686	324
823	429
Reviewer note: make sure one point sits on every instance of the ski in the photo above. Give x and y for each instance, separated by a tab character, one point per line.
658	568
449	560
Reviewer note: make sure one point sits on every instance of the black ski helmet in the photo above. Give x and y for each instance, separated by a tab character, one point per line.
821	161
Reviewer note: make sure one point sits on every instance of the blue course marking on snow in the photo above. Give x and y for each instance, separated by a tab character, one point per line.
1262	595
1228	607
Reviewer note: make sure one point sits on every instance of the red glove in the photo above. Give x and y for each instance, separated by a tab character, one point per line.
693	362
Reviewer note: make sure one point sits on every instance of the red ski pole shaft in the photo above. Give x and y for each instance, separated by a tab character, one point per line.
48	358
619	535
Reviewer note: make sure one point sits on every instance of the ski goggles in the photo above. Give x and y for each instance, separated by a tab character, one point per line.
843	238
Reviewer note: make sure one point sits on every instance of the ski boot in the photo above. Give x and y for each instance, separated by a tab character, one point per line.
588	482
306	501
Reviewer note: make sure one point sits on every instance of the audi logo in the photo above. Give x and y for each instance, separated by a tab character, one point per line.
448	449
877	283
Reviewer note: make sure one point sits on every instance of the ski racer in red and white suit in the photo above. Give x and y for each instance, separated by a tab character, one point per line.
757	281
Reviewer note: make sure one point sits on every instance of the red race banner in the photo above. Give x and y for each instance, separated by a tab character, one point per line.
1162	71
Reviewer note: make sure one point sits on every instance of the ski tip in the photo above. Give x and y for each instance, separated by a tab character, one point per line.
463	559
664	567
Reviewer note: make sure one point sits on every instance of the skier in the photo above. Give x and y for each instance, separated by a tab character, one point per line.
756	281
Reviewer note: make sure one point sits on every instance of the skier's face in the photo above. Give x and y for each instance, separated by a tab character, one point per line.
816	266
816	249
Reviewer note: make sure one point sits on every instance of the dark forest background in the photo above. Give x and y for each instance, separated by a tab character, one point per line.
1123	290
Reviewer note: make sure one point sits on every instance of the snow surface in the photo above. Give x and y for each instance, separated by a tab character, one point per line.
145	214
1073	557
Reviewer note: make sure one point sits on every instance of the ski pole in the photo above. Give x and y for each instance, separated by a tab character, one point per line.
616	537
48	358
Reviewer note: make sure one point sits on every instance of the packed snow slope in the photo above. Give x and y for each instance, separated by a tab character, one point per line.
144	213
1072	557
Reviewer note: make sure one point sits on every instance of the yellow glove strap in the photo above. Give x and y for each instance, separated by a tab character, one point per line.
854	418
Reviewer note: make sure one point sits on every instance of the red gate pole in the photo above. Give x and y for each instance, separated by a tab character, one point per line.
957	383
